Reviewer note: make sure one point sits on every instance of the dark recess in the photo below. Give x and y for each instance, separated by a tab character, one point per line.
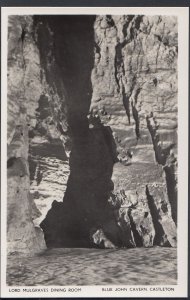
159	238
85	205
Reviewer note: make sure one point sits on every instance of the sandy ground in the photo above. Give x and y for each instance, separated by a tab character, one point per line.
138	266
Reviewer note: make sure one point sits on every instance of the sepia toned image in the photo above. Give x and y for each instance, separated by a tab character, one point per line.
92	151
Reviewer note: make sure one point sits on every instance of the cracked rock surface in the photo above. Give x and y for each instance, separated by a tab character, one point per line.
135	93
36	119
92	132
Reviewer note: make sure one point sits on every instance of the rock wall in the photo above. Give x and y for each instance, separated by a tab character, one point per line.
104	88
135	94
36	125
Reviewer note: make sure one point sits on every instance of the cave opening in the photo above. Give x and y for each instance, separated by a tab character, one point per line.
85	208
73	50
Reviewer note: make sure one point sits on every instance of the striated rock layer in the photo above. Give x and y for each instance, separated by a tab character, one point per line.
104	88
36	120
135	93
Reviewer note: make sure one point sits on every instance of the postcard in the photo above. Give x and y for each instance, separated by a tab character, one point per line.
94	197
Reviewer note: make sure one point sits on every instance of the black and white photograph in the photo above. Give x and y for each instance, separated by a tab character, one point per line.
92	188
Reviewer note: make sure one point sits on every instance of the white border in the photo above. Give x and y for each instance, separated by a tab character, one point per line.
183	21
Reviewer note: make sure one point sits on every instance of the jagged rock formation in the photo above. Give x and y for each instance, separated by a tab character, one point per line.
36	117
49	172
135	93
104	87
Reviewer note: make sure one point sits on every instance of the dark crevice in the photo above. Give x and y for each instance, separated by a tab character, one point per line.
110	21
137	237
171	189
138	20
135	114
32	167
11	161
72	47
136	95
85	205
118	62
23	34
43	108
126	234
155	81
126	104
136	118
160	239
162	156
85	202
125	26
97	48
108	137
120	70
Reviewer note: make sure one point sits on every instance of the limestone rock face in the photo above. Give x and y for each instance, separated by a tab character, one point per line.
35	120
92	132
49	171
135	93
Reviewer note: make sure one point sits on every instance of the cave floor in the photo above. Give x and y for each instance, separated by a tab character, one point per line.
138	266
